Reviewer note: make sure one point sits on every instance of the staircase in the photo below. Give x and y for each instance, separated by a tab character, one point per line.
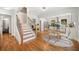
25	30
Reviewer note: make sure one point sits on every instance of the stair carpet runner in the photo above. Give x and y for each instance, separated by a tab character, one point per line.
27	32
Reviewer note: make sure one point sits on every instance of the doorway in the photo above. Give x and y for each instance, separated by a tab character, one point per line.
6	21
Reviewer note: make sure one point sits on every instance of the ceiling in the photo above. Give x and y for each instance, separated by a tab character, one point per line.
8	8
37	11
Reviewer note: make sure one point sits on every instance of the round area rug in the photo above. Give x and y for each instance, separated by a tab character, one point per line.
63	42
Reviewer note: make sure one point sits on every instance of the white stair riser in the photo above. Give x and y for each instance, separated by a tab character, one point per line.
26	40
26	36
27	33
25	29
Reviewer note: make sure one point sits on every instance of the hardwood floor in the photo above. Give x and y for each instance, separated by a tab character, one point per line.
9	43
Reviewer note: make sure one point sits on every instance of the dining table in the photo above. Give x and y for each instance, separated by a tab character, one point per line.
55	33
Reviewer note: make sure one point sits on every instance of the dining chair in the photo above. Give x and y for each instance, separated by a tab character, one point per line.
67	33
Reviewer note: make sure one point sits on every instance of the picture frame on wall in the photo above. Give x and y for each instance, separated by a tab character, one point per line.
64	22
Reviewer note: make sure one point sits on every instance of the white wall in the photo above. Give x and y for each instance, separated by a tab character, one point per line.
78	23
42	23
